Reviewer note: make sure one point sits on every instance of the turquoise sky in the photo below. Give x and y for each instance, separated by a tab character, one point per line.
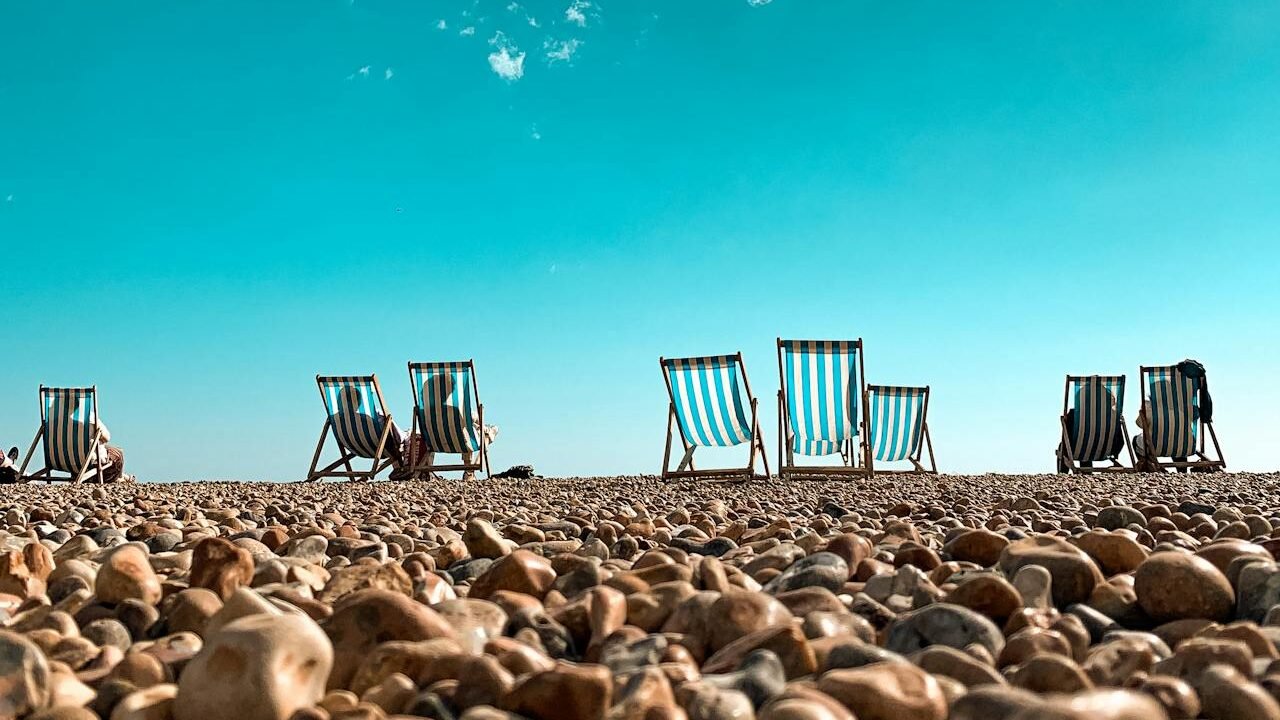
203	204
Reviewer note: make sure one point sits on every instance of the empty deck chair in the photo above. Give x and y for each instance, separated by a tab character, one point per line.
69	431
448	417
1093	428
708	409
1172	423
898	427
821	388
361	427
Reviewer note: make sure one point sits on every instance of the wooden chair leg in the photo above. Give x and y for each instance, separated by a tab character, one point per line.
315	459
84	467
666	448
378	464
686	462
928	438
22	471
764	456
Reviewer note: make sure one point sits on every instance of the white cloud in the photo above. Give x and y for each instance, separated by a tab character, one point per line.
533	134
467	31
506	60
513	7
388	74
575	14
442	25
533	21
758	3
364	71
560	50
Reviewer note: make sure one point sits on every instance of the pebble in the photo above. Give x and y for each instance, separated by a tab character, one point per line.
24	675
126	574
887	691
1073	572
219	565
1174	585
565	692
943	624
285	659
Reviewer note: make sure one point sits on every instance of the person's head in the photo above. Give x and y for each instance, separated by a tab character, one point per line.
1092	394
438	387
349	398
63	409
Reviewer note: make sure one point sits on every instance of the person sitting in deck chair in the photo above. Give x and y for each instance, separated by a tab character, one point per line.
1109	403
8	470
351	412
1144	462
438	391
112	456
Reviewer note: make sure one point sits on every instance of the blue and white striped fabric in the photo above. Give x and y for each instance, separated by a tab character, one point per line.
1173	406
444	399
709	406
70	425
355	412
1098	401
821	379
896	418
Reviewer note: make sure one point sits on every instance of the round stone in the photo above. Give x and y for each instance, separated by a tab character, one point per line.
1175	586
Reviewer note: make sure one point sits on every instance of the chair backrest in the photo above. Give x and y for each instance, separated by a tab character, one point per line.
1172	406
821	382
706	396
445	400
1098	402
70	420
357	413
896	417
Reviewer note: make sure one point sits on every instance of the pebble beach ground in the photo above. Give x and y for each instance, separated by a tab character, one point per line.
998	597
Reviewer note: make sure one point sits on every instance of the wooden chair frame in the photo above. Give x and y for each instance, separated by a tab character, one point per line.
1205	461
852	465
916	459
755	444
93	457
380	463
424	470
1065	452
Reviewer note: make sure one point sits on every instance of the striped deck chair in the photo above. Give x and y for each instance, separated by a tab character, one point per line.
821	390
69	430
898	427
1092	419
707	406
1174	428
361	427
448	416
